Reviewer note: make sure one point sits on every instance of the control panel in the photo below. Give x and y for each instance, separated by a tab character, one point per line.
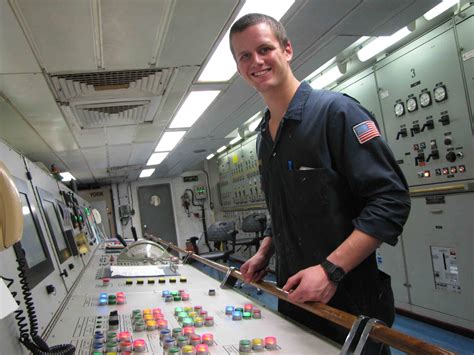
425	110
182	313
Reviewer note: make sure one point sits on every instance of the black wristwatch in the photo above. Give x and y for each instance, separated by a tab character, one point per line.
334	272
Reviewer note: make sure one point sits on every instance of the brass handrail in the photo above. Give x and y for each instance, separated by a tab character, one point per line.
380	333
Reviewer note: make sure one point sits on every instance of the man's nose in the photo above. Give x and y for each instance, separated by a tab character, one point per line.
257	58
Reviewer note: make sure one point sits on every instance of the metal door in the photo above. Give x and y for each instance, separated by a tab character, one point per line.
156	211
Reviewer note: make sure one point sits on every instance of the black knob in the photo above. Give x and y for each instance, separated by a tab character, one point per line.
50	289
448	140
64	273
71	266
451	157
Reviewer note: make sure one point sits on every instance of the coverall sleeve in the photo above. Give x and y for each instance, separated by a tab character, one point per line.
370	169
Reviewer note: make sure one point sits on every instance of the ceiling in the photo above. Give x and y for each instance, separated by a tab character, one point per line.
91	85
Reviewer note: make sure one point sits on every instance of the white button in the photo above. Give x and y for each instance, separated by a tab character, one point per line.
274	153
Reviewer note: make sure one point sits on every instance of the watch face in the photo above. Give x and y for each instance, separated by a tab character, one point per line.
425	99
399	109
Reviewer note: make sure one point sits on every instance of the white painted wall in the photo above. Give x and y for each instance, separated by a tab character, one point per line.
186	227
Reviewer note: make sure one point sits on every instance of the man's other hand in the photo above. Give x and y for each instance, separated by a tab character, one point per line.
311	284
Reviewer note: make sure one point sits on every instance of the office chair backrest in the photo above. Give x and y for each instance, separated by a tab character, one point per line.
255	222
221	231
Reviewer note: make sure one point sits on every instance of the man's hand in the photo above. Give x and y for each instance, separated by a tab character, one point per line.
311	284
255	268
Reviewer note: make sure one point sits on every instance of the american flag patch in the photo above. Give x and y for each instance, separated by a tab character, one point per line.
365	131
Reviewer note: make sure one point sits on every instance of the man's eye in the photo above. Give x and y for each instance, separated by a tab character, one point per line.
264	50
244	56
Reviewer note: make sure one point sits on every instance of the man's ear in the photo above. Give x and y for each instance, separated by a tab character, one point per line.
289	51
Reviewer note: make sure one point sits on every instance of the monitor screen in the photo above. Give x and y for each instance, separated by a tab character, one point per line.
30	241
56	231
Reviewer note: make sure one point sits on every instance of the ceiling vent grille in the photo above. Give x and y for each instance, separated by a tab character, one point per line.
112	98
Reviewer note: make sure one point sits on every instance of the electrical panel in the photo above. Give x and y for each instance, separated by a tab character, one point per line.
425	110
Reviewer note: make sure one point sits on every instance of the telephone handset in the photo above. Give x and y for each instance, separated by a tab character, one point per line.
11	216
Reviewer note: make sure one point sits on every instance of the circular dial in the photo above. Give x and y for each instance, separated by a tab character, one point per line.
144	250
412	104
399	109
440	93
425	99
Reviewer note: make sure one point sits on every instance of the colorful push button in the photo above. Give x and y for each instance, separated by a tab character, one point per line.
198	308
182	340
139	345
188	331
257	344
256	313
188	322
105	281
247	315
185	297
209	321
187	350
176	332
195	339
173	350
237	315
168	342
202	349
124	336
248	307
245	345
208	339
178	310
162	324
198	322
229	310
165	293
165	333
125	346
150	325
270	343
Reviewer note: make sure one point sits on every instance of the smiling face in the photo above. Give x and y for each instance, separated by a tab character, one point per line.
260	58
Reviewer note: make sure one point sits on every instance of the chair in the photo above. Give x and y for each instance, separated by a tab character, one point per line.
253	223
221	234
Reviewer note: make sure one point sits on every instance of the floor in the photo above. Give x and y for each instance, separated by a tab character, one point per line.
431	334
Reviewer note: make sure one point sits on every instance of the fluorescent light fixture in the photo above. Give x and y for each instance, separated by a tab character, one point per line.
169	140
381	43
193	107
210	156
235	140
324	79
440	8
221	66
156	158
67	176
321	69
221	149
146	173
253	125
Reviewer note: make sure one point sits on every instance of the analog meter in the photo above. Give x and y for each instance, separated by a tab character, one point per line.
412	105
425	99
440	93
399	109
144	251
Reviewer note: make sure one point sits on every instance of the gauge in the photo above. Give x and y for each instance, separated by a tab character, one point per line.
399	109
425	99
412	105
440	93
143	250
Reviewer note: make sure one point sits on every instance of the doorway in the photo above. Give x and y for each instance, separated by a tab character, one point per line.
156	211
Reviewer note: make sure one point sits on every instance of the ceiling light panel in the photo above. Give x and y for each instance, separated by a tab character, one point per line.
147	173
169	140
156	158
440	8
380	44
193	107
221	66
326	78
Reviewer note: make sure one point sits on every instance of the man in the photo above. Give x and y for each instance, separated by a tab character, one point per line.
332	186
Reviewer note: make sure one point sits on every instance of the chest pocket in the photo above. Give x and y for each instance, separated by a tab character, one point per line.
310	191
